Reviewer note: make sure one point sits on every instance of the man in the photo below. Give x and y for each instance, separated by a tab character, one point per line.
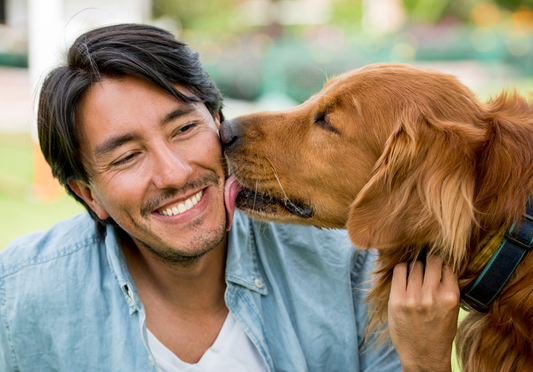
152	279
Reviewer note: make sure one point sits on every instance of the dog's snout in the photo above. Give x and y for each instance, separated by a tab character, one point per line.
228	133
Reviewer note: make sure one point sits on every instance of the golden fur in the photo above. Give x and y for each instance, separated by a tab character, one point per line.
411	163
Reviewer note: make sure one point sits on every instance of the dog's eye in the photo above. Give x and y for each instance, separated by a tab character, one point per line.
322	121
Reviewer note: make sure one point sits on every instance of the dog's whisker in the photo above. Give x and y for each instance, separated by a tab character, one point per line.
286	200
277	178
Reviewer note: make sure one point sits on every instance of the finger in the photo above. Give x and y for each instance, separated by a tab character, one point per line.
416	277
399	277
433	272
449	277
398	286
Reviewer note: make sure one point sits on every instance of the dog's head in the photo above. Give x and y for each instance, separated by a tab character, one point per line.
381	150
404	158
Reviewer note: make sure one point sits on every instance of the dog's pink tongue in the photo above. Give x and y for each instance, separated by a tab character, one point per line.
231	189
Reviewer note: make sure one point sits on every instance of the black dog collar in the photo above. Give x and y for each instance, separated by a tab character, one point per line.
516	243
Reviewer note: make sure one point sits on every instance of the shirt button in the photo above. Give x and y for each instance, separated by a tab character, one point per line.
152	360
258	283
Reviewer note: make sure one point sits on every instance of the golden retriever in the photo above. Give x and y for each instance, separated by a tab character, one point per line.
411	163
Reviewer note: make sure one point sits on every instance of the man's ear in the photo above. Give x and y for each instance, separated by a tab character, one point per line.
86	193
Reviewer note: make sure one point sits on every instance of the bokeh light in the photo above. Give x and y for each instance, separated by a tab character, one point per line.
522	19
485	14
518	43
483	39
405	47
209	52
230	46
260	45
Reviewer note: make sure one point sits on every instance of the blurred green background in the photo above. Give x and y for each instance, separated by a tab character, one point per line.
21	211
257	48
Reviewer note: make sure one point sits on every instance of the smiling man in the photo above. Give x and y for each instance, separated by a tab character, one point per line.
155	167
160	273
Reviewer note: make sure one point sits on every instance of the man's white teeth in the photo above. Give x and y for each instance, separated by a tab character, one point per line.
183	207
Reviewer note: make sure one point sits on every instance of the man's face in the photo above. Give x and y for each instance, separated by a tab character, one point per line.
155	166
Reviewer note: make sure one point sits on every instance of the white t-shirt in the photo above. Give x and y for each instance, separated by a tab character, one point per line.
232	351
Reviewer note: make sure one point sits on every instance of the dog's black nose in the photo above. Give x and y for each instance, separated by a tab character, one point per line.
228	133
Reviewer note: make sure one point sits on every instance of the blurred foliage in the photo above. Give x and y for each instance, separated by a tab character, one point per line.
208	17
426	10
347	14
216	16
250	59
513	4
460	9
435	10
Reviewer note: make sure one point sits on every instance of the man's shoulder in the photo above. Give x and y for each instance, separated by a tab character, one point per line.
62	239
312	242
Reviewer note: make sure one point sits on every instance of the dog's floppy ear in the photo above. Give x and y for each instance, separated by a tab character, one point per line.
421	189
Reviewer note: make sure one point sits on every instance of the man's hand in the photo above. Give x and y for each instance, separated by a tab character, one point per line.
423	310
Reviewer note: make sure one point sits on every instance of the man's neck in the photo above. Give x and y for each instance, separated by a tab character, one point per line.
184	306
185	288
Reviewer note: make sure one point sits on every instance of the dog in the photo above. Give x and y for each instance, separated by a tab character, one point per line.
410	162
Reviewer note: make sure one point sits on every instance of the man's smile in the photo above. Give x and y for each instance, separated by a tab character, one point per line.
172	202
177	208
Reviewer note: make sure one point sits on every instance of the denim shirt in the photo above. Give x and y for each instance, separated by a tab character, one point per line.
68	302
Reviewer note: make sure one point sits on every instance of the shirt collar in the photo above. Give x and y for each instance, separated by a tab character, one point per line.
119	266
242	264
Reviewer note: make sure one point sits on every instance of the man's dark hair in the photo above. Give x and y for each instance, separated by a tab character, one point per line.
143	51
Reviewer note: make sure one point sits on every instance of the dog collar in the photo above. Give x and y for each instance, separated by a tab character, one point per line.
487	251
514	246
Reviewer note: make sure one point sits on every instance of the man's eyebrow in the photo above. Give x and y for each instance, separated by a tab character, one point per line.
184	109
112	143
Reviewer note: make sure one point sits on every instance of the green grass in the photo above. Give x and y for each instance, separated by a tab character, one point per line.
16	162
21	214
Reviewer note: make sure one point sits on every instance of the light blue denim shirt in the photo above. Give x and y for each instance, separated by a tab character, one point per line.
68	302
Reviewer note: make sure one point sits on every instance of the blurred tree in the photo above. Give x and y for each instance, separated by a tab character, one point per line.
425	10
346	14
436	10
513	4
208	17
460	9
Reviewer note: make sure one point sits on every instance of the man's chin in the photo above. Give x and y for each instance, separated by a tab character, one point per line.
187	255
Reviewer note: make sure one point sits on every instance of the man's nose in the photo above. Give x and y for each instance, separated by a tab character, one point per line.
170	169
